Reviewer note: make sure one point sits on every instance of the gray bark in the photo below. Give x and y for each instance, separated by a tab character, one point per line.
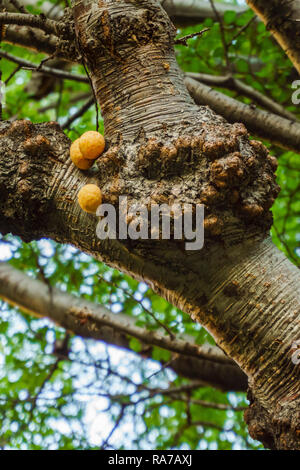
181	11
276	129
206	364
231	83
163	148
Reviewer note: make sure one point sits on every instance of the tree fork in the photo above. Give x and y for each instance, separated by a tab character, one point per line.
162	148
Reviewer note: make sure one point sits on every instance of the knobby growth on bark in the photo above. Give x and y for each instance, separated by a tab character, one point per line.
162	148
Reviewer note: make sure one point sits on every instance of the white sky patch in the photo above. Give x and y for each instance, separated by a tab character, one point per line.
5	252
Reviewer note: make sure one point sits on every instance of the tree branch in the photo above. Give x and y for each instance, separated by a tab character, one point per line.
281	18
51	71
33	21
32	39
49	9
231	83
161	147
89	320
17	6
79	113
184	12
268	126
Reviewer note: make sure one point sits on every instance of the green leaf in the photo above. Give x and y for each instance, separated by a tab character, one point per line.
230	17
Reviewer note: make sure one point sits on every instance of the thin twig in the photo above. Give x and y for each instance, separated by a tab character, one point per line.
207	404
27	65
151	314
241	30
13	73
78	114
184	39
117	423
222	30
165	366
43	61
53	368
61	87
90	80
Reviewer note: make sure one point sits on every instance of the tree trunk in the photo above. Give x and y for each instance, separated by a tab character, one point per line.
281	18
163	148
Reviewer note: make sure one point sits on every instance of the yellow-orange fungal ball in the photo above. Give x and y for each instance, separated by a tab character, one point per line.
77	158
90	198
91	145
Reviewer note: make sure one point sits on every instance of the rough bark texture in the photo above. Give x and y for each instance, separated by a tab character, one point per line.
267	126
281	18
158	133
41	34
162	148
24	36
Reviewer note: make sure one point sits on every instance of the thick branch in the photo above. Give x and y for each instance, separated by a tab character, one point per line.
185	12
162	148
231	83
282	19
48	8
206	363
35	40
268	126
34	21
182	12
42	34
